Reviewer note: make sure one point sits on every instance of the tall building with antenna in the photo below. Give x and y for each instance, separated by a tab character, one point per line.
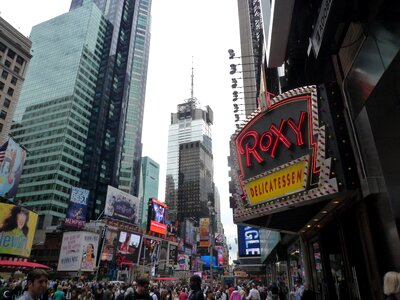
189	175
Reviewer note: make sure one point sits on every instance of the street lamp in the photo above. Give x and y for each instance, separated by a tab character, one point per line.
212	214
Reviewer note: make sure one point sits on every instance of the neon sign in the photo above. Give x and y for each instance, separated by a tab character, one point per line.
280	156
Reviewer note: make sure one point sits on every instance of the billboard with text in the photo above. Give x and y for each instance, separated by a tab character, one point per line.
122	206
76	212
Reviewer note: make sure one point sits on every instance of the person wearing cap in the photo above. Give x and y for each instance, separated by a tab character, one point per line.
195	285
36	285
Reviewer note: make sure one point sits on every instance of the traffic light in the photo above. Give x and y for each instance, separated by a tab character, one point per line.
235	108
234	83
231	53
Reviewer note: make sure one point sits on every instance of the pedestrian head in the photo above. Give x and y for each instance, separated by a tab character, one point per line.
142	285
195	282
37	282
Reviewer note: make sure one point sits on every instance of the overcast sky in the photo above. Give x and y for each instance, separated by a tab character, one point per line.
204	29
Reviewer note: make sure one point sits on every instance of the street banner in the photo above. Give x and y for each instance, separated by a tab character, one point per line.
122	206
249	241
76	212
17	229
12	159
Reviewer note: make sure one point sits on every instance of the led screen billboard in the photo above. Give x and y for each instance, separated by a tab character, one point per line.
121	205
17	229
249	241
76	212
157	216
128	248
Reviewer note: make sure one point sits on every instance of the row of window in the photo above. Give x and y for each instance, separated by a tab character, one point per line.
10	91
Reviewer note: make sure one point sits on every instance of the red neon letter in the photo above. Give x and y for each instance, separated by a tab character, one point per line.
297	129
279	137
268	135
250	149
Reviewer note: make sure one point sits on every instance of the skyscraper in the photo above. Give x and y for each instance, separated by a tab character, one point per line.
14	60
83	96
148	187
189	124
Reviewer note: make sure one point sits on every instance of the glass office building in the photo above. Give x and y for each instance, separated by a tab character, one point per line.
188	124
81	109
53	115
148	186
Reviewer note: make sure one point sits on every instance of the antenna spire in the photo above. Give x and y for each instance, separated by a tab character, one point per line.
191	90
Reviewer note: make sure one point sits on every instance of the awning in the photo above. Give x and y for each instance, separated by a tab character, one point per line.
22	264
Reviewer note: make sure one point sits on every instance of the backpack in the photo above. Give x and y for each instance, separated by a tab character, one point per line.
121	296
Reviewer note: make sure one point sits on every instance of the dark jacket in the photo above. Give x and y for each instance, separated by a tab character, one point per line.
136	296
196	295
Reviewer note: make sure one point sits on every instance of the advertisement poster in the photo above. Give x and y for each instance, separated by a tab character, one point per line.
128	248
163	256
78	251
121	205
172	228
183	262
173	252
17	229
150	251
204	232
158	216
12	158
76	212
109	244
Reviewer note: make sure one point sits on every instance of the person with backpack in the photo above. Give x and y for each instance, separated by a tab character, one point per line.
195	285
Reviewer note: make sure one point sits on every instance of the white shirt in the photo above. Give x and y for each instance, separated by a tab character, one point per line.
254	294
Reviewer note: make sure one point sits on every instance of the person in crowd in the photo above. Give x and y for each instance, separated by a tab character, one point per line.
391	285
274	291
243	294
210	295
59	294
254	294
308	293
298	289
109	293
195	286
152	294
183	295
230	290
141	291
235	295
36	284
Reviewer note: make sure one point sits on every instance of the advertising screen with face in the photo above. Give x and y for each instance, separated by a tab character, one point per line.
17	229
157	216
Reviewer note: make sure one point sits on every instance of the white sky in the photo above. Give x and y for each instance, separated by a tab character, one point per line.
204	29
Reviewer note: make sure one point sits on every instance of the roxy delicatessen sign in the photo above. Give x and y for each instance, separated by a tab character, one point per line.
280	157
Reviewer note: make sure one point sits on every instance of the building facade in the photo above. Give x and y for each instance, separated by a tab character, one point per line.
188	124
14	60
195	181
342	58
75	118
148	187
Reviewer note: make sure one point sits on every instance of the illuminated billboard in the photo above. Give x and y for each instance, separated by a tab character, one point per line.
248	241
284	157
12	159
122	206
204	232
157	216
78	251
17	229
128	248
150	251
76	211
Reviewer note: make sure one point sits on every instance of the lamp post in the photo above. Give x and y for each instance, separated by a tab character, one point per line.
212	213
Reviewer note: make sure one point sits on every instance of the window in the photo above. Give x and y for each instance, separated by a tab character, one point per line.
16	69
7	102
14	80
1	85
2	47
7	63
4	74
1	127
11	54
20	60
3	114
10	91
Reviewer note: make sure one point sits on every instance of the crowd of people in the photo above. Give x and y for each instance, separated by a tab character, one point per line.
37	286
